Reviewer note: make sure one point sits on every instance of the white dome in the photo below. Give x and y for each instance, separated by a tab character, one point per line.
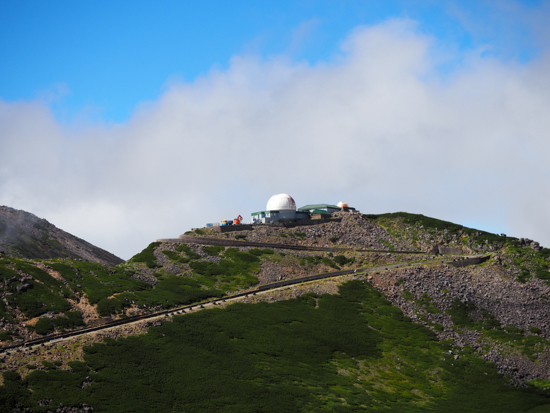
281	202
342	204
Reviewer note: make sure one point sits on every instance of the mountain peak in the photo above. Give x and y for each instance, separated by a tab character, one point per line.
25	235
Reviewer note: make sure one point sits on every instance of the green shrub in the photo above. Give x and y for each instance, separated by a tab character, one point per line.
514	330
78	366
174	256
213	250
38	300
72	319
192	255
44	326
343	260
407	295
261	251
427	304
48	365
333	239
109	306
169	292
330	263
42	276
240	236
535	330
14	393
5	336
147	256
460	313
31	366
98	281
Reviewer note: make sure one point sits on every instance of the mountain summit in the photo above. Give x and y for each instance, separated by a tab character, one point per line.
24	235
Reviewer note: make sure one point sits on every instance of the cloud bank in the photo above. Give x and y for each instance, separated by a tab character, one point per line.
379	126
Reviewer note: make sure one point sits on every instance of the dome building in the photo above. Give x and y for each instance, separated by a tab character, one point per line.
280	208
281	202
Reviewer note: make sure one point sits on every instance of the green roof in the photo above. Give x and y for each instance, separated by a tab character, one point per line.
320	211
317	206
259	212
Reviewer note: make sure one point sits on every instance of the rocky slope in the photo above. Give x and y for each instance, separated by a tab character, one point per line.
24	235
498	310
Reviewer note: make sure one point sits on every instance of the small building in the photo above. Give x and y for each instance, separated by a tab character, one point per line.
320	207
319	214
345	207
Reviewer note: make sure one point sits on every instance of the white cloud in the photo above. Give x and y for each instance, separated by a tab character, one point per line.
374	127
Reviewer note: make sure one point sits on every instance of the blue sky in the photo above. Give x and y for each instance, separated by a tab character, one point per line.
126	121
102	58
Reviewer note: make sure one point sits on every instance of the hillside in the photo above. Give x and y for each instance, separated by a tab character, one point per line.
425	336
24	235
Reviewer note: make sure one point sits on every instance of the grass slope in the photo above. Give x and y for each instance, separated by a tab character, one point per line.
337	353
524	261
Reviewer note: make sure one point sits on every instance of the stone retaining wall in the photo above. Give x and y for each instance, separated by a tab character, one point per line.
299	223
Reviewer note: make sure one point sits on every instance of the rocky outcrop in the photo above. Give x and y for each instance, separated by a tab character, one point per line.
488	288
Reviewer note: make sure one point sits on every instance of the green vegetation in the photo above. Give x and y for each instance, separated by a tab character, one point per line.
335	353
48	365
343	260
213	250
184	248
528	261
540	383
147	255
431	224
34	297
5	335
170	292
240	236
174	256
109	306
37	300
72	319
407	295
96	280
387	244
427	304
44	326
44	277
235	269
317	259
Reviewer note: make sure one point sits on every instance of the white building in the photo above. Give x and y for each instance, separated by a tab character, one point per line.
280	208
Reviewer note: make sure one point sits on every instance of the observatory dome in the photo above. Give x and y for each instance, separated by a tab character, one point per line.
342	204
281	202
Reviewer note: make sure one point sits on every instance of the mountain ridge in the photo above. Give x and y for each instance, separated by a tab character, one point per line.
486	323
25	235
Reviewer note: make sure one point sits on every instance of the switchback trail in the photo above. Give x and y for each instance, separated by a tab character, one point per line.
262	289
235	243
